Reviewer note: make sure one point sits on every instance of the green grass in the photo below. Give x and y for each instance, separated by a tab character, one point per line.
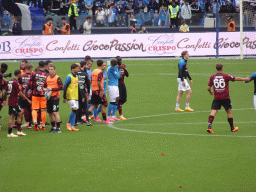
126	156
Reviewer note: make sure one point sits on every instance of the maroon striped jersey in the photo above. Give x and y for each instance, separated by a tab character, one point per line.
37	83
124	73
24	81
220	83
13	90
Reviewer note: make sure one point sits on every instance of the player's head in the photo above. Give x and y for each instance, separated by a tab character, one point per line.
29	68
184	55
219	67
183	22
63	20
75	68
4	68
87	57
41	64
49	20
48	63
52	70
229	17
23	63
83	65
17	74
113	62
119	60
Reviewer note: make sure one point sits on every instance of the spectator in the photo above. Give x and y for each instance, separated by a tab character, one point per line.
195	8
230	8
139	6
87	25
129	8
184	27
132	27
97	3
162	16
163	3
100	17
174	14
73	14
143	28
112	12
133	21
89	6
64	7
120	5
66	27
55	6
153	5
231	24
214	7
186	11
222	9
48	27
16	29
156	18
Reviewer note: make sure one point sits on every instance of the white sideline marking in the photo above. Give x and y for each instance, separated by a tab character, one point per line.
165	133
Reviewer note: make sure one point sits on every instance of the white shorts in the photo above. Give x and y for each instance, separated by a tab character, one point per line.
181	87
254	101
73	104
113	93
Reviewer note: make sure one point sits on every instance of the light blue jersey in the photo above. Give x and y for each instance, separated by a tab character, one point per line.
105	77
89	73
113	76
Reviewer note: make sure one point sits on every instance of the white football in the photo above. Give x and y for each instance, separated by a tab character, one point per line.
47	95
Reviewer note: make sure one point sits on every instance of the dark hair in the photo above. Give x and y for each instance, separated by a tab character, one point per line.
219	66
88	17
47	62
183	53
133	25
63	18
113	61
4	66
17	72
41	64
53	66
183	21
24	61
73	66
141	26
87	57
119	60
99	63
49	19
29	66
82	63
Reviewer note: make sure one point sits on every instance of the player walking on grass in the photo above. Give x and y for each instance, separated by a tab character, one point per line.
89	64
84	88
54	84
249	79
3	84
220	83
121	86
98	95
25	106
71	95
182	81
37	83
13	90
113	91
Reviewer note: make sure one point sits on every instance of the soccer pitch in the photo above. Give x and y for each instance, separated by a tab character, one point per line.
127	155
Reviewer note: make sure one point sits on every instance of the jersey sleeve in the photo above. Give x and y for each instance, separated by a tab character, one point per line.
253	76
100	76
181	65
67	82
210	82
60	85
231	78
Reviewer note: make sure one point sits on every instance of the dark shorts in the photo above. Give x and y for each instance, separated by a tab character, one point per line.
96	100
226	103
52	106
122	93
14	110
24	103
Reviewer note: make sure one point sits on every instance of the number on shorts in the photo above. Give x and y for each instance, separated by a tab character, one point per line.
55	107
219	83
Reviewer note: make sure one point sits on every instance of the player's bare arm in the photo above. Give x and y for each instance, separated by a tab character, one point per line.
239	79
24	97
210	90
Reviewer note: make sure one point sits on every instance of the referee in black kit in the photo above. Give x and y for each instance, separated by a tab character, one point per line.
84	89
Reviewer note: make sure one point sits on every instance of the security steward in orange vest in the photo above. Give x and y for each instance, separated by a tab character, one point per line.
66	27
48	27
231	24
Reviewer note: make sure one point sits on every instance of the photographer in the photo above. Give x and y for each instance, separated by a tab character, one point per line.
65	29
48	27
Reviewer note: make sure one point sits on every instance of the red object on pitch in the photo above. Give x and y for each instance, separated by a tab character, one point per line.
180	186
162	154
